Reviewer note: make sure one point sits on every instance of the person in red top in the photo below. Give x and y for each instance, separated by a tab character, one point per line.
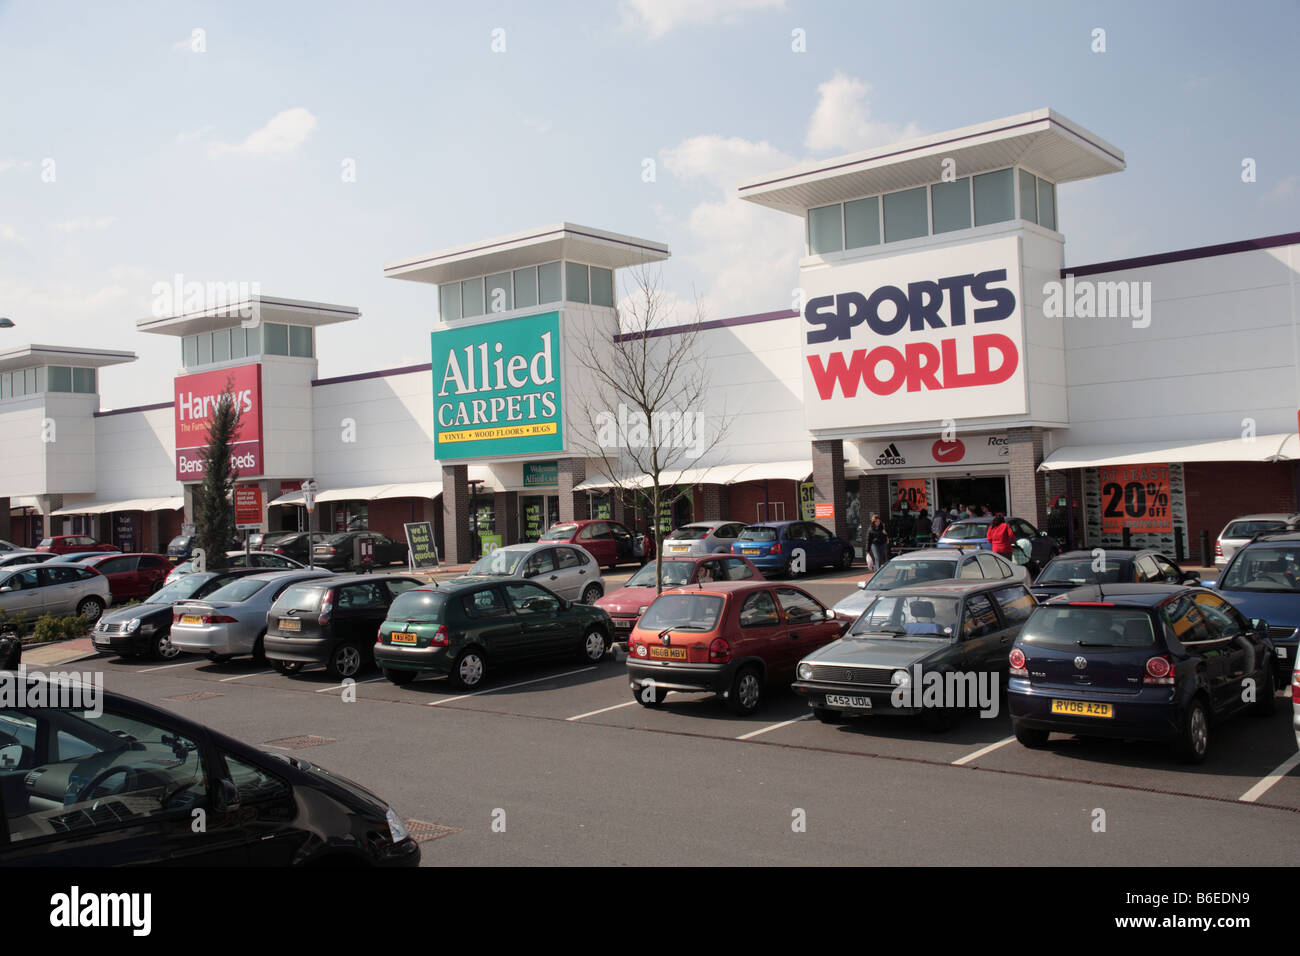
1001	538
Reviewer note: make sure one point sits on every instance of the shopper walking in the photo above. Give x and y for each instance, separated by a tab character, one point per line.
877	543
1001	538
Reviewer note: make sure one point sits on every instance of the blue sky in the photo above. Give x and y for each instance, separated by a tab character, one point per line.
226	164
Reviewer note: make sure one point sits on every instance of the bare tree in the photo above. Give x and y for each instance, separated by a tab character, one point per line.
644	392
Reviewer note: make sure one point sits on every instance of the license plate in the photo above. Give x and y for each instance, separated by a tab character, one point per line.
403	637
668	653
623	625
1081	708
680	548
749	550
290	624
1281	653
835	700
191	619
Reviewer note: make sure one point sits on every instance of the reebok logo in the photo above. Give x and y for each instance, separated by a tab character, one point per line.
891	456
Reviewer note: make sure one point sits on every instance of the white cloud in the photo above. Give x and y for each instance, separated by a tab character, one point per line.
10	235
842	120
85	222
187	136
722	161
284	133
658	17
1285	189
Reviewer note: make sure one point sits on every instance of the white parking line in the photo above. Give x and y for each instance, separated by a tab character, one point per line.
763	730
961	761
370	680
593	713
1261	788
242	676
150	670
491	690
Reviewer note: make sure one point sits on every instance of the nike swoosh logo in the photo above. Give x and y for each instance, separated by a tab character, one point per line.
946	453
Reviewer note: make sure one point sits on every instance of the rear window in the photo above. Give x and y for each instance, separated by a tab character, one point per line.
418	606
1245	529
236	591
683	612
1066	627
965	532
561	532
758	533
690	533
336	538
1078	571
46	542
301	597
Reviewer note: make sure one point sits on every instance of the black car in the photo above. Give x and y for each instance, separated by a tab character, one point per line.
337	551
11	651
292	544
331	621
145	629
1076	569
122	788
181	548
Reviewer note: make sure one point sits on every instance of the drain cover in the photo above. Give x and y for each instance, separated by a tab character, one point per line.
301	741
196	695
422	832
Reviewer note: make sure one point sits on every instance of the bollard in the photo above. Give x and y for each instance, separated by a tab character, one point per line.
1126	536
1179	552
1207	556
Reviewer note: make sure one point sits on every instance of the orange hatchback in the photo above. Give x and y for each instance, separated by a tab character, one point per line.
733	639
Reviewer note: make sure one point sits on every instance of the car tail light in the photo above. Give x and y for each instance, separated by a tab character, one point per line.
280	551
330	550
205	618
719	651
776	548
440	637
1017	659
1160	670
1295	686
1218	549
326	606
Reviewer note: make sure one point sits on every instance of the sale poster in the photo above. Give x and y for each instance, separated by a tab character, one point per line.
912	492
1135	497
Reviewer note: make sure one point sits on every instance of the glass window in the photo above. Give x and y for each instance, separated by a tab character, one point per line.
300	341
275	339
994	200
254	783
471	297
576	288
1046	204
980	617
40	379
1016	603
540	562
488	603
569	558
221	345
825	230
6	384
498	293
363	597
862	223
449	300
239	342
190	350
1028	196
548	282
30	383
60	379
799	607
971	568
525	288
530	599
759	610
205	348
906	216
950	205
602	287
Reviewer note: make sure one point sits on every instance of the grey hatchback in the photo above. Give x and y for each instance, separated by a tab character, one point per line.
59	589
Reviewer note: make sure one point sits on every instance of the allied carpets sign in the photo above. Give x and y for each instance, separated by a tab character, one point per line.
1136	497
196	400
497	388
923	337
541	474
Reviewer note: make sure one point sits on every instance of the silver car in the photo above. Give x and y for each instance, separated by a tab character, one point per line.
929	564
62	590
569	571
10	558
231	621
239	559
1240	530
702	537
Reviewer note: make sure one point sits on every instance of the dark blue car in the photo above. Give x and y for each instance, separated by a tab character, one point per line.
792	547
1139	661
1262	580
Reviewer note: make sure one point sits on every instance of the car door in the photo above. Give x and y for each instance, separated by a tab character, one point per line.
1170	573
573	570
984	635
806	626
493	624
760	631
1015	603
123	582
543	629
586	537
1234	653
359	610
822	543
27	596
540	567
266	812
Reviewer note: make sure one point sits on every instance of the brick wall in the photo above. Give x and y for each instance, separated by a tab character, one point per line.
744	498
574	505
1028	496
828	482
455	514
711	503
1218	491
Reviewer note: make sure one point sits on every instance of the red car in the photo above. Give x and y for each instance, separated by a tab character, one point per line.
732	639
131	575
68	543
610	542
625	605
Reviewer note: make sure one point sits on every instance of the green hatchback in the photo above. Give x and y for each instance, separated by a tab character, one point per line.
467	626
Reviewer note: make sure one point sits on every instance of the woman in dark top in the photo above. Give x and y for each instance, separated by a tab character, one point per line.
877	543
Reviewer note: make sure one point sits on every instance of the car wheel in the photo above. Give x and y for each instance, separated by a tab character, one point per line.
400	678
1266	692
1194	738
594	645
846	559
1030	737
345	660
259	648
469	670
746	692
287	667
649	695
163	648
592	594
828	716
91	608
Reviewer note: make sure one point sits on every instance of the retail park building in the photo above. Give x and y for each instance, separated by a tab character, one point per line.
941	353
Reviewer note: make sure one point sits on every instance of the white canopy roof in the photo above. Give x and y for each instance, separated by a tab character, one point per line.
131	504
1280	447
710	475
409	489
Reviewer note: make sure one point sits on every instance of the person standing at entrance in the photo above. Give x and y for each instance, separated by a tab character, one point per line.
877	543
939	523
1001	538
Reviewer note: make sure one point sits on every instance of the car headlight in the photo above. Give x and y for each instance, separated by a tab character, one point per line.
133	625
900	678
396	828
805	672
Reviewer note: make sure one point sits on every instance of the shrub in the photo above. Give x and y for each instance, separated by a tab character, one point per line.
50	628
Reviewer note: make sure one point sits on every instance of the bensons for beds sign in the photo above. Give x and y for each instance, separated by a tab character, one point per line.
921	337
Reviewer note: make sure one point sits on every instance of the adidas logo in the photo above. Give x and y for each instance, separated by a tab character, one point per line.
891	456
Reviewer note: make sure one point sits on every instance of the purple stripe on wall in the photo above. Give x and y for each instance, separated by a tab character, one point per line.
1184	255
705	326
135	408
362	376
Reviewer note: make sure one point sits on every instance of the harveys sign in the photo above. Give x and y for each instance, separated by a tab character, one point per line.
196	399
922	337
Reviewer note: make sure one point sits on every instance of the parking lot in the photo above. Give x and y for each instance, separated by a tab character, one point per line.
576	771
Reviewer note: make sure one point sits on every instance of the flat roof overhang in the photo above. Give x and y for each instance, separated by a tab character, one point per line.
30	355
268	309
563	240
1042	141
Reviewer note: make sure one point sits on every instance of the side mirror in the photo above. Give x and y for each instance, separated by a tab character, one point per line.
6	589
862	585
227	796
1191	576
829	614
1260	625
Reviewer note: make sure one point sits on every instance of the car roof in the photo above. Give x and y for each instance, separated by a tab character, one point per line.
956	588
706	524
1125	553
302	574
335	580
723	588
948	554
1269	516
1271	537
104	555
1130	595
774	524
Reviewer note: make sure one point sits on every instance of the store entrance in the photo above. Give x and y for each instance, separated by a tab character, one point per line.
985	493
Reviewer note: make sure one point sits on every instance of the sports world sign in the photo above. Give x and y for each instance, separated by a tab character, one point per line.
196	399
497	388
922	337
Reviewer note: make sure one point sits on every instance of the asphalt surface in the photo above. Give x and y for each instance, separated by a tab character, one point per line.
557	764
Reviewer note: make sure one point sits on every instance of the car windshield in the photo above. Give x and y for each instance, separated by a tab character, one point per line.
908	615
1264	569
691	532
561	532
758	533
180	590
500	561
238	590
964	532
682	612
418	606
676	573
1246	529
1065	627
1077	571
179	542
336	538
904	571
301	597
